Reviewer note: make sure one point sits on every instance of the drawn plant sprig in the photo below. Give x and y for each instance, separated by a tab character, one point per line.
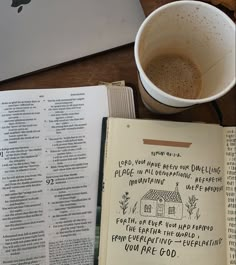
124	202
191	205
134	208
197	216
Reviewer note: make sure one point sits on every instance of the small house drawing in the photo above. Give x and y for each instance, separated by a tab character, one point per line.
162	203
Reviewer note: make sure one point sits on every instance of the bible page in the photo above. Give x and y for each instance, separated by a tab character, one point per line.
49	163
230	191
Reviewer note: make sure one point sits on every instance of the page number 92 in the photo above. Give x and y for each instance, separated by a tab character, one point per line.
50	181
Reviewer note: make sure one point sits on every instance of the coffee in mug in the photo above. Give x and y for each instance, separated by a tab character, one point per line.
176	75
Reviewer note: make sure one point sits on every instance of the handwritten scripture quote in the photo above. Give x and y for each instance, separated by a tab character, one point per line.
163	220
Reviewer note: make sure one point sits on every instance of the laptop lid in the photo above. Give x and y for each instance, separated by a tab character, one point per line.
36	34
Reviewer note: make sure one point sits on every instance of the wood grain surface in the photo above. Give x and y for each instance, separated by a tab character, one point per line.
113	65
150	5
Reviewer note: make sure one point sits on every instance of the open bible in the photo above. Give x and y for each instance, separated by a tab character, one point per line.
169	193
49	168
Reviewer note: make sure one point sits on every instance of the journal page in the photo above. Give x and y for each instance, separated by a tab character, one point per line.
163	200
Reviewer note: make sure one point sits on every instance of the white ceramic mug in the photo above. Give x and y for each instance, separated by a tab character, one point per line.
198	31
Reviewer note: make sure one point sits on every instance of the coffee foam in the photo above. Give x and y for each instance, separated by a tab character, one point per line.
175	74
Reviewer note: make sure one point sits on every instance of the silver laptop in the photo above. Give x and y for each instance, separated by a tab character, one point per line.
36	34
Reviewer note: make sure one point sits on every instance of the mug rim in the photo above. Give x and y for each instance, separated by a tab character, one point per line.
152	89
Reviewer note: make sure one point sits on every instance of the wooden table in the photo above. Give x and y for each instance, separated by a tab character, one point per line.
119	64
